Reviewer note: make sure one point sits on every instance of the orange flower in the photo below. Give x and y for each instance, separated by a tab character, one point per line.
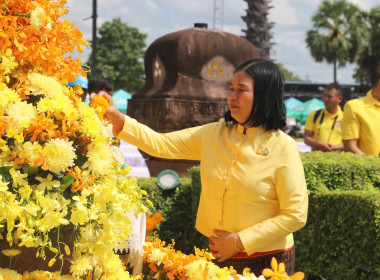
42	128
174	262
100	104
69	126
41	161
46	48
153	221
83	179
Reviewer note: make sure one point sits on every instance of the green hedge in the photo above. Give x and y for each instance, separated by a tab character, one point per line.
343	228
342	235
344	171
178	208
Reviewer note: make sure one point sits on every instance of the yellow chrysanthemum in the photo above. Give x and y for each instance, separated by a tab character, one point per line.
45	105
21	114
39	274
59	154
8	94
202	269
62	103
99	160
9	274
37	18
81	266
91	126
44	85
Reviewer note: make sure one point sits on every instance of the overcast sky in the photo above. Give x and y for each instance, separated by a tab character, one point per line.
292	19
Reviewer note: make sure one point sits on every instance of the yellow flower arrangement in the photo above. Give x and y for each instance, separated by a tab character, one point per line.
163	262
57	169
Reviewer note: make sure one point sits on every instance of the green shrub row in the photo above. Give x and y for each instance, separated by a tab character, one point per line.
178	207
344	171
341	239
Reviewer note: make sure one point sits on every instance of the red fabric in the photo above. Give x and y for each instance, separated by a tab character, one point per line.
244	254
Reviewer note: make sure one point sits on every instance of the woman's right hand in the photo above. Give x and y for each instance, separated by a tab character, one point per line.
113	114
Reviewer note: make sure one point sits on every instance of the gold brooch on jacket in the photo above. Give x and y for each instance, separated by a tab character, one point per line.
262	151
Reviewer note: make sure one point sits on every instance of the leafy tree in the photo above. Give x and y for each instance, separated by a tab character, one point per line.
120	52
339	33
370	54
289	76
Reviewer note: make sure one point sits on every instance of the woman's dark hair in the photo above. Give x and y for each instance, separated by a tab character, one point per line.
375	74
268	108
98	83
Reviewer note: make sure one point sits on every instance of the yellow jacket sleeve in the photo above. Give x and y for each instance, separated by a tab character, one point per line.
180	144
350	124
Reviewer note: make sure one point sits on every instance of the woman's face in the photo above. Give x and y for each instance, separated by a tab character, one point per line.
240	96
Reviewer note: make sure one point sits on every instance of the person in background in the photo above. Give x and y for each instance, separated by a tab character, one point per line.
361	120
100	83
254	193
322	127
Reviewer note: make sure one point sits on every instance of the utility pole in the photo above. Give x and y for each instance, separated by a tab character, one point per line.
218	18
94	16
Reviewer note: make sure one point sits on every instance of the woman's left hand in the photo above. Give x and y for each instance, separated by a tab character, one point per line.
224	245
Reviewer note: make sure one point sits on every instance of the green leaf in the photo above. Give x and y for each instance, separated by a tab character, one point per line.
66	181
4	171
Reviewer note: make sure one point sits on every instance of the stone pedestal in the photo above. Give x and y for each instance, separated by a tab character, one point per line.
187	81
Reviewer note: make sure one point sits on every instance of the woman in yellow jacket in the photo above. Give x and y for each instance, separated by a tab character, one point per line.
253	186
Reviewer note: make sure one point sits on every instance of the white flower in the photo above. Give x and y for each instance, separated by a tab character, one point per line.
60	155
21	114
37	18
117	155
6	273
99	159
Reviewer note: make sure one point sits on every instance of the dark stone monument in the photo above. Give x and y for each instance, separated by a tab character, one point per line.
187	81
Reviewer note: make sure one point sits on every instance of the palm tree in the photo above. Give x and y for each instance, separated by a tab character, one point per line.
338	35
258	26
370	54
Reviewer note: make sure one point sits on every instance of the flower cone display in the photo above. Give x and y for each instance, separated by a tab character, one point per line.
58	173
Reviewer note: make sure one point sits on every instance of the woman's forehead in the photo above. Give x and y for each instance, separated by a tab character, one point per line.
241	77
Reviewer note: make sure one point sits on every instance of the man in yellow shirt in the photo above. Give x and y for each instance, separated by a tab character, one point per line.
361	121
322	127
